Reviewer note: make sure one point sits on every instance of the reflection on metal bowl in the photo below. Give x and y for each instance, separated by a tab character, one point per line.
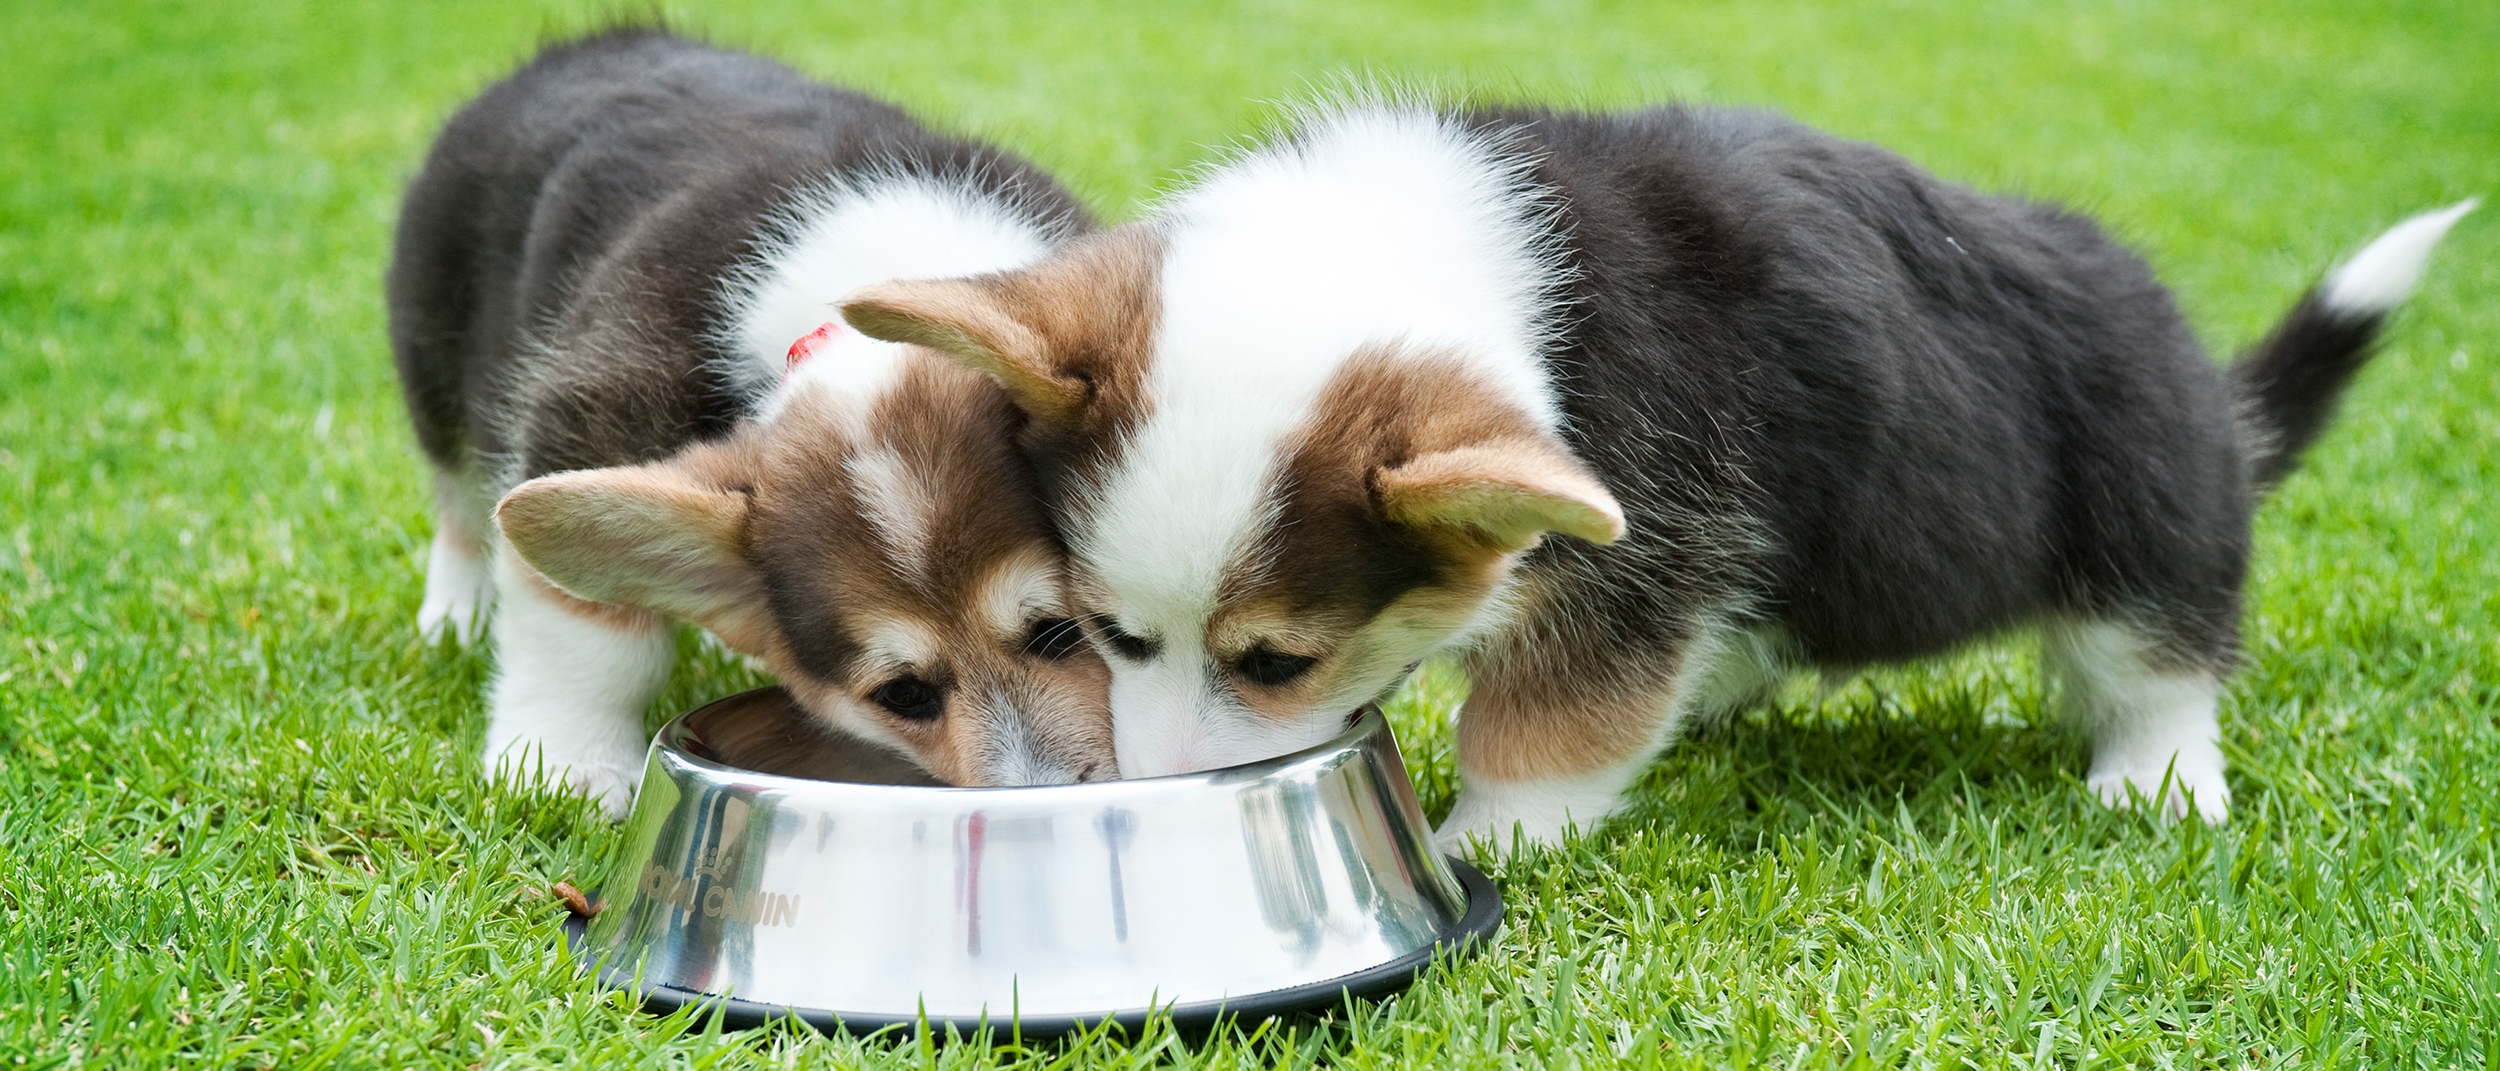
775	868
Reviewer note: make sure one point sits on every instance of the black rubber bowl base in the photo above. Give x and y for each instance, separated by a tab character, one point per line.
1483	917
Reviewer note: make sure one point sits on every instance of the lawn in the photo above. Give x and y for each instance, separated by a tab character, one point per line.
240	823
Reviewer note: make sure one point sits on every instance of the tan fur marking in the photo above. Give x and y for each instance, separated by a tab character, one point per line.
1538	709
1336	576
843	576
1350	651
1237	627
1383	409
1524	723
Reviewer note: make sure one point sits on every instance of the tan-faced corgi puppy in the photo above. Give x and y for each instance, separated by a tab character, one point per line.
612	308
1638	414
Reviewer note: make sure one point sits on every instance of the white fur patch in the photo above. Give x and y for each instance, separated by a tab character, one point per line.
896	645
569	693
1020	589
1492	816
2154	732
459	592
896	504
2386	272
1378	225
844	235
1171	716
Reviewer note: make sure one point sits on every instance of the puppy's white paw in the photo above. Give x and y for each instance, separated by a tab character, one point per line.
1482	835
2154	731
608	778
1492	818
611	787
2189	781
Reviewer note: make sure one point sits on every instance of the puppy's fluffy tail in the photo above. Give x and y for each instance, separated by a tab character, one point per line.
2289	384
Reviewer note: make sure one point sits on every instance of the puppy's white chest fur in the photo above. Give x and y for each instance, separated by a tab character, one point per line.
842	235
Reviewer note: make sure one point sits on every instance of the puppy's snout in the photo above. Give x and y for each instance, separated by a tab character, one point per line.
1028	733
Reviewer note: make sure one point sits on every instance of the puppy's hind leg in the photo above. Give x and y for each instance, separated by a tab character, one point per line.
572	679
459	592
2151	716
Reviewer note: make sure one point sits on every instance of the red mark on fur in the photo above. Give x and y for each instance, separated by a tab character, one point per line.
806	347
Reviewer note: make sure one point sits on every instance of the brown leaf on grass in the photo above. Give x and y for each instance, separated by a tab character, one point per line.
573	899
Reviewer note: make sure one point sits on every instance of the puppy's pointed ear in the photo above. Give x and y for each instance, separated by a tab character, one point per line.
975	322
661	537
1504	494
1069	337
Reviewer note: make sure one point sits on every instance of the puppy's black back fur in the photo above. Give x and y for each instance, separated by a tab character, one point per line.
1884	412
555	292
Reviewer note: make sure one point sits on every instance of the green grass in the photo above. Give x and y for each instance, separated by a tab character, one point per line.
239	823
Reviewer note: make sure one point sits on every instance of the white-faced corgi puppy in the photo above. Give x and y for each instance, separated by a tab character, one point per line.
612	307
1637	413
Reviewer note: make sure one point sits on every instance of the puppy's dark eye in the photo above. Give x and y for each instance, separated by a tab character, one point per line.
1133	648
1272	668
1054	638
909	697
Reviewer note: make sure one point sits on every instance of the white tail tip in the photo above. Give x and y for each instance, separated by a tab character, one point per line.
2386	271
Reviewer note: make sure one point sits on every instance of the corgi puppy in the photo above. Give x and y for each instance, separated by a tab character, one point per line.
1637	414
611	304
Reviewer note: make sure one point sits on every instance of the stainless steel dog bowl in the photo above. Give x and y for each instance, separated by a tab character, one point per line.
772	868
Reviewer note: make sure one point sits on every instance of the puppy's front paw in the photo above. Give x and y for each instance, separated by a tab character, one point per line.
1492	818
1484	836
608	780
2190	781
